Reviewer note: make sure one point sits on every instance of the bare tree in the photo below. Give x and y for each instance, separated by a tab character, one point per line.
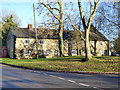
87	25
59	17
107	19
86	22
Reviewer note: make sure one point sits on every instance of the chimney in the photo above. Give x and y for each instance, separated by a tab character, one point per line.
30	27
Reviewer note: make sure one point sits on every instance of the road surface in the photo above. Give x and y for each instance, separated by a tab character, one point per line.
23	78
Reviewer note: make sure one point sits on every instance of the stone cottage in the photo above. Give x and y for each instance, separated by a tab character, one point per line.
21	43
99	44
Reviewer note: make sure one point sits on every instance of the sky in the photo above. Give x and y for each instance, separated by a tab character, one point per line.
22	9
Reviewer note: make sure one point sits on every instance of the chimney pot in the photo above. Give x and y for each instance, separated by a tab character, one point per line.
30	27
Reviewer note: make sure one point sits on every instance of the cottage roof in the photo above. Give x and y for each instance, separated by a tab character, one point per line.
53	34
96	35
23	33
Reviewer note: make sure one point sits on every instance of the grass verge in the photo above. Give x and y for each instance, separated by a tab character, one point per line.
71	63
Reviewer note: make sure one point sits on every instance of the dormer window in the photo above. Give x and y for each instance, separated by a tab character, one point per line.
27	41
41	42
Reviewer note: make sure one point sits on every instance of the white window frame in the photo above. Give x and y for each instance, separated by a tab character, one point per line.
55	52
100	51
101	43
42	41
84	51
28	40
73	53
47	52
27	52
42	52
90	43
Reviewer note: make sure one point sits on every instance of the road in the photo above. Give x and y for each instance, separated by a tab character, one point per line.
23	78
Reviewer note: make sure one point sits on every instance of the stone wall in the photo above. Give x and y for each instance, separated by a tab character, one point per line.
48	46
77	46
10	44
95	47
99	48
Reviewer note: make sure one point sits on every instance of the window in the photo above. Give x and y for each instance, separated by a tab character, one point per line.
47	52
27	52
106	52
101	52
41	52
73	52
56	52
27	41
41	42
101	43
90	43
84	51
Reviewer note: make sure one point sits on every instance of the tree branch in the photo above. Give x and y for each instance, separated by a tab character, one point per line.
55	9
50	11
90	6
81	14
93	13
111	21
61	13
75	27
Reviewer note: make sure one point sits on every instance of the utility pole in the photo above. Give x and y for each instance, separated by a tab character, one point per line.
36	32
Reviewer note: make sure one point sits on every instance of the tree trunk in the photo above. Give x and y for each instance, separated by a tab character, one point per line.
87	46
61	39
95	44
61	47
87	27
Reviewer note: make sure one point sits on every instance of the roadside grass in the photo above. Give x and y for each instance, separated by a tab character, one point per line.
71	63
104	58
